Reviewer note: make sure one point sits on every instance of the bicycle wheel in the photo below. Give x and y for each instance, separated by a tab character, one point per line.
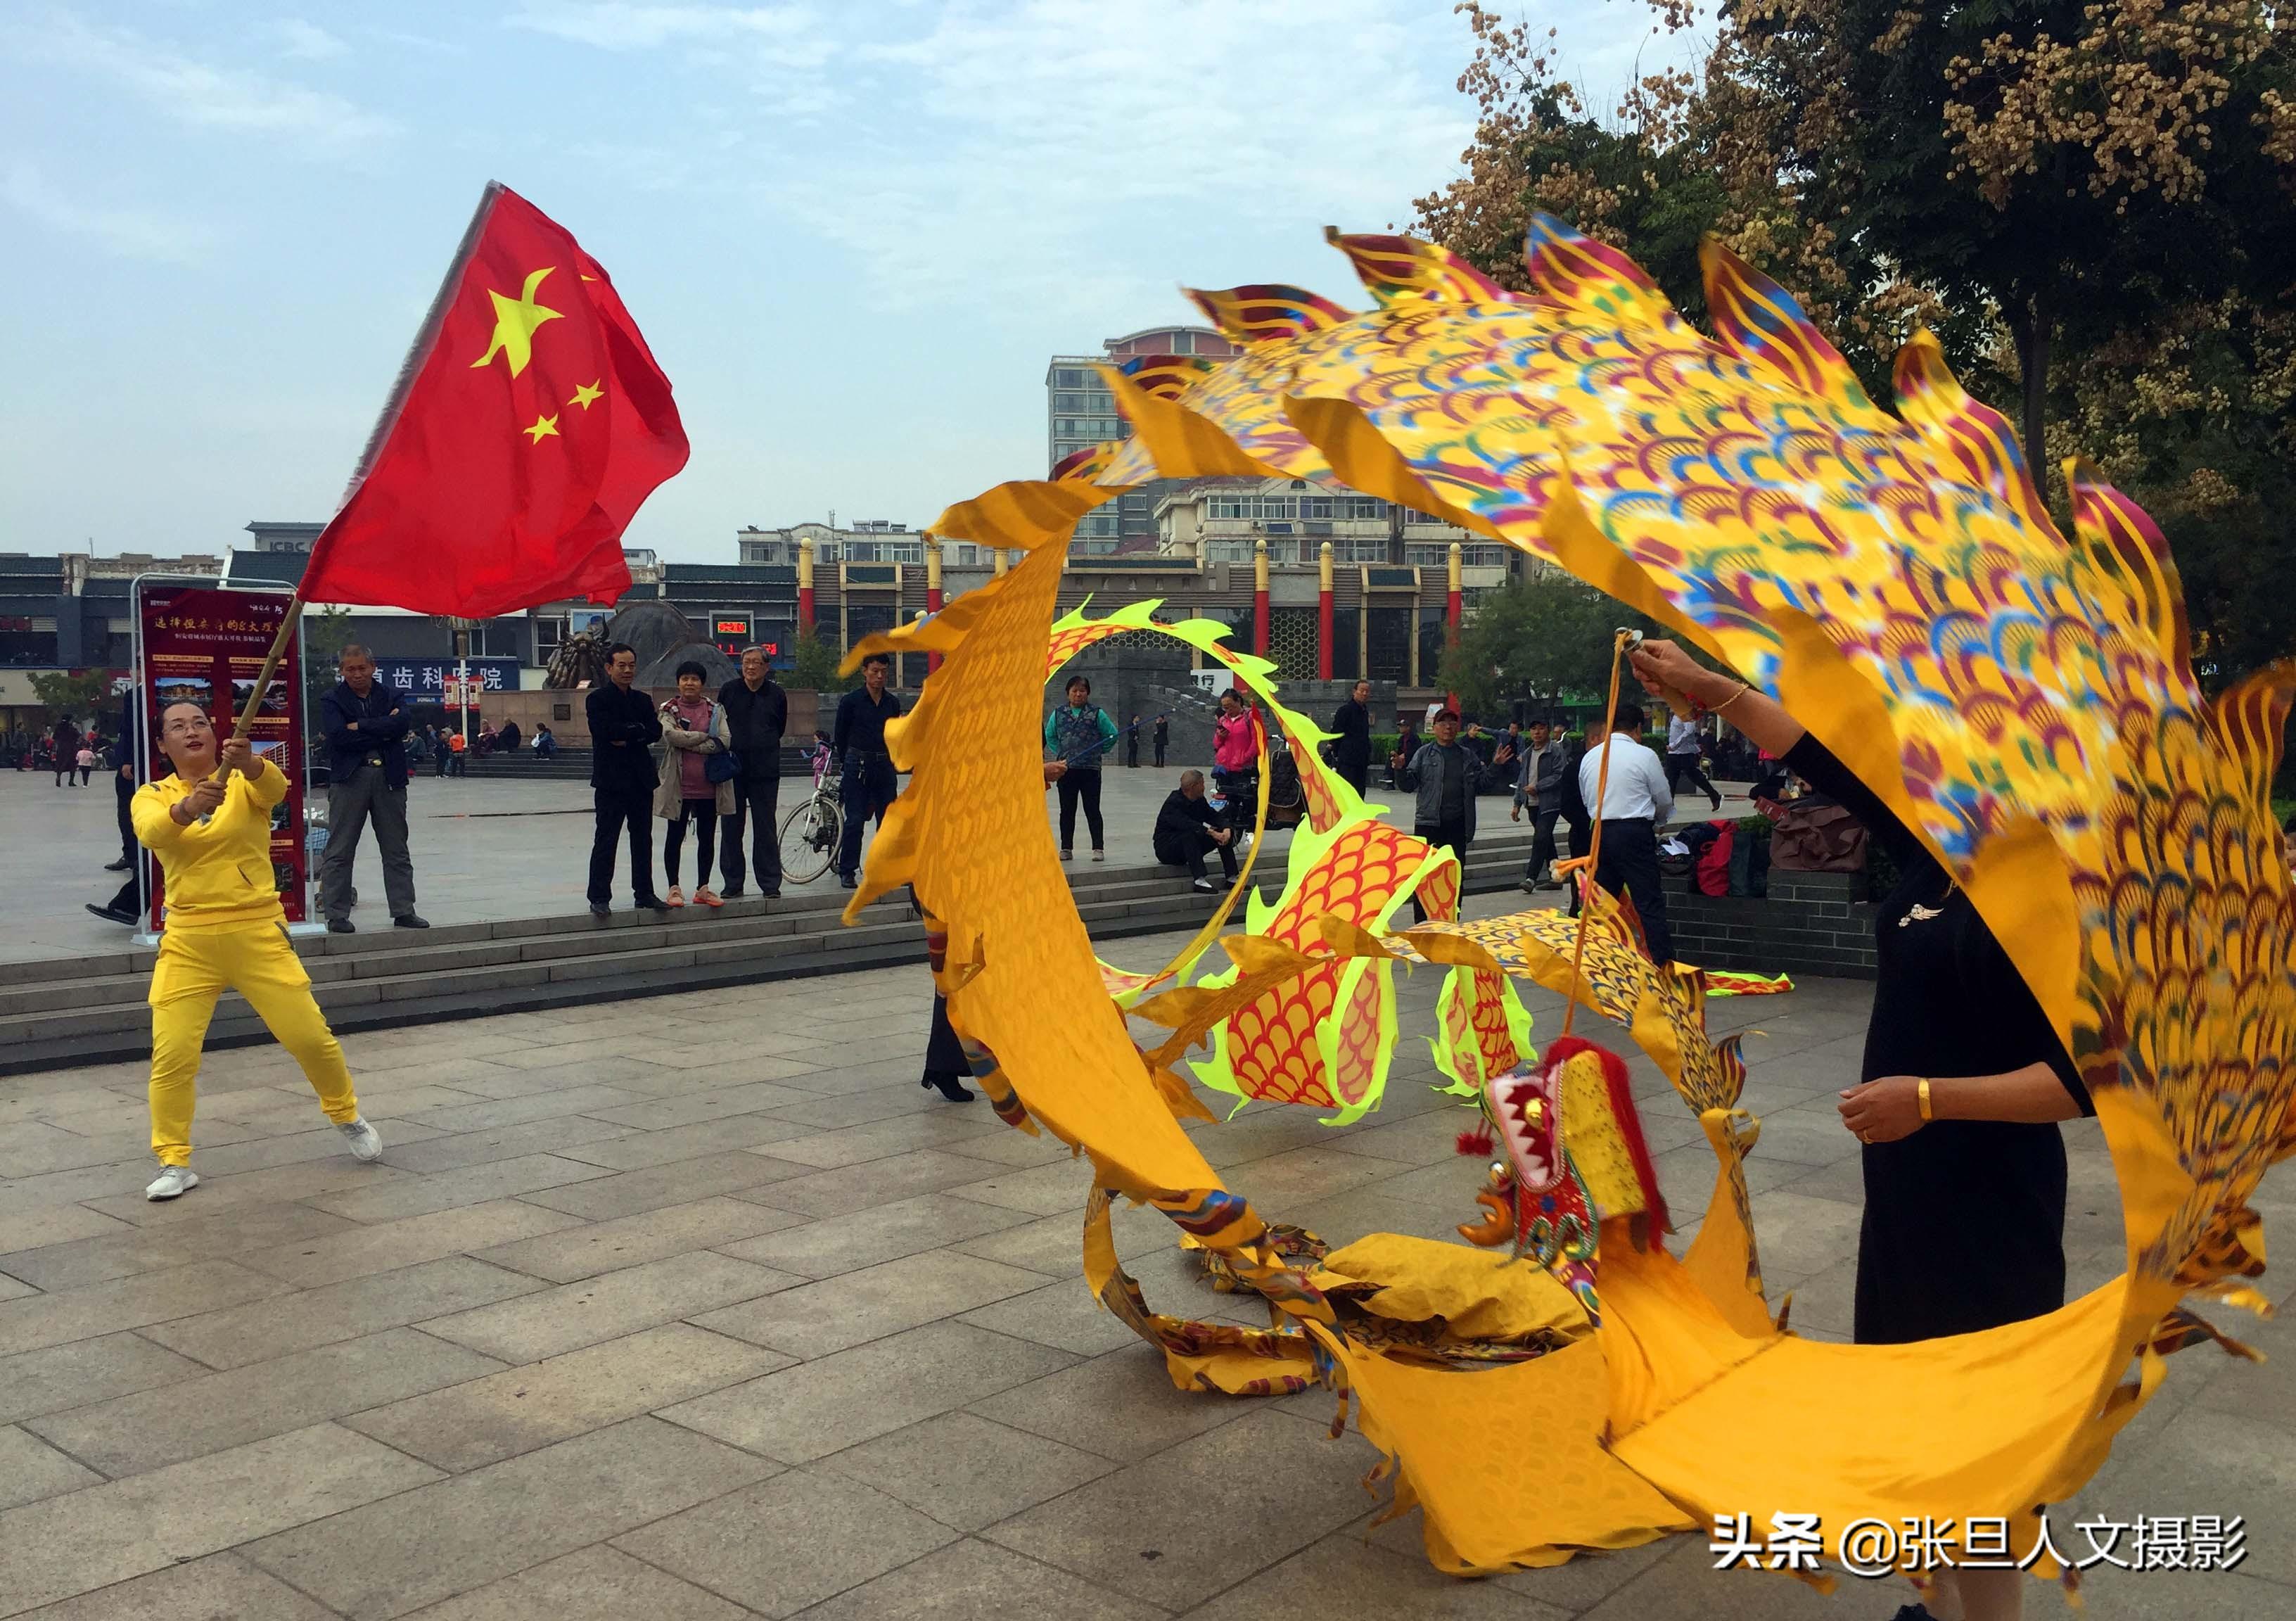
808	839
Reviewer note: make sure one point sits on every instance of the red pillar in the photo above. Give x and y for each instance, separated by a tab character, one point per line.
1324	613
805	621
1453	611
1259	597
933	593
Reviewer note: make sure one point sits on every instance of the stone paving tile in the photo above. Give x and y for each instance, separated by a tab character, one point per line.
448	1150
571	1315
1055	1244
389	1558
816	1319
220	1587
71	1375
1797	1233
605	1246
966	1471
127	1302
280	1326
131	1434
546	1105
1343	1576
876	1092
1682	1581
594	1584
691	1108
276	1184
847	1242
1061	1314
397	1243
31	1470
882	1139
126	1250
808	1411
789	1541
634	1192
520	1409
630	1150
14	1288
1121	1406
62	1546
971	1581
463	1186
65	1223
1193	1521
1053	1189
35	1146
857	1187
301	1146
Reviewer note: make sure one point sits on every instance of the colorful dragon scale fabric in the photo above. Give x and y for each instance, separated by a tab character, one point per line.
2027	704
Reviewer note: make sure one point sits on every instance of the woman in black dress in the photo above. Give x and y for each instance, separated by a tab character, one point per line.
1957	1102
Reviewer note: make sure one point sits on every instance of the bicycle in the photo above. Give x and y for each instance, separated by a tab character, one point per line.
810	830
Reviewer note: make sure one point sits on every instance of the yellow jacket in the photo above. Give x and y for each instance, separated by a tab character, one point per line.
219	873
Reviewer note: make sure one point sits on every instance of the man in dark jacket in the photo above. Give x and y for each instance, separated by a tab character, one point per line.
1443	773
365	723
1188	830
1352	745
126	907
756	714
624	727
871	784
1539	771
1163	736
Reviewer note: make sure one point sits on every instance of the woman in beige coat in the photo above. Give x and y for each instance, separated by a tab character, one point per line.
692	728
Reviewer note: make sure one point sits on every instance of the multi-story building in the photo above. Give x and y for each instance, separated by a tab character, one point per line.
71	612
1079	412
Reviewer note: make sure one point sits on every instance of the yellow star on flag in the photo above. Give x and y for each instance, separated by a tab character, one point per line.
584	392
545	427
515	319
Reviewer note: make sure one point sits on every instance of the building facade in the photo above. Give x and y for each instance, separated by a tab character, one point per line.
1080	412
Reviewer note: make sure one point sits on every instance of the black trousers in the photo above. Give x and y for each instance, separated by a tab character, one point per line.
944	1053
124	788
1356	776
1081	787
871	786
755	797
1160	753
1682	767
1188	849
1449	836
1541	842
622	811
1630	863
703	814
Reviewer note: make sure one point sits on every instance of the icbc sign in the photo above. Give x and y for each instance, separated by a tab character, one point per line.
729	633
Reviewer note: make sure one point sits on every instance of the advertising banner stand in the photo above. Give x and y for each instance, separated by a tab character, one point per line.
198	642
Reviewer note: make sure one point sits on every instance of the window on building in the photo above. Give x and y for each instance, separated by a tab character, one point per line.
1317	506
1228	551
1364	507
1347	651
1360	548
1069	377
549	633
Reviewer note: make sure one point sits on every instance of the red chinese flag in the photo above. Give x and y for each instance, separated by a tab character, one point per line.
529	424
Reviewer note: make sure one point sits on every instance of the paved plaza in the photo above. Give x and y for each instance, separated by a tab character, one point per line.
699	1307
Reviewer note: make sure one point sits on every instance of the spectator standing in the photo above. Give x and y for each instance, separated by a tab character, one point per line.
438	751
1235	759
1443	774
127	906
1163	736
84	759
870	784
624	727
1078	735
1684	742
1634	803
1188	830
457	746
756	715
64	749
692	728
1351	737
1407	744
364	722
1540	778
1132	745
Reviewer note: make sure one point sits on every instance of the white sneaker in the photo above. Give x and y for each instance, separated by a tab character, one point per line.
1205	887
1100	855
365	1141
172	1182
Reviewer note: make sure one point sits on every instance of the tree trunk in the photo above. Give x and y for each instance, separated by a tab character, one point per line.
2031	332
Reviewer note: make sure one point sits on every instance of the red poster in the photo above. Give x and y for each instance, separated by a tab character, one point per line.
206	645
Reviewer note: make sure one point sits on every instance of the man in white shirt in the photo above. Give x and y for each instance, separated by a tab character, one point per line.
1685	744
1634	803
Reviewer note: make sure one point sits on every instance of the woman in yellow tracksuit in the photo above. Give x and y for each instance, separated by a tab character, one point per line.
224	930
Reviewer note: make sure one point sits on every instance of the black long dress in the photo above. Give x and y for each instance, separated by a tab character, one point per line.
1965	1219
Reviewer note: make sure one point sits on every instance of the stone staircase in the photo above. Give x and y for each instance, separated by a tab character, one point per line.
63	1011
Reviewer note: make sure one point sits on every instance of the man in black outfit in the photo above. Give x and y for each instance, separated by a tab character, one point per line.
1351	742
624	727
871	784
1163	736
756	714
126	907
365	723
1188	830
1633	803
1132	745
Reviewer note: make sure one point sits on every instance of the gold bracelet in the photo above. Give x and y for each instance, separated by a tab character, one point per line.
1924	1091
1743	688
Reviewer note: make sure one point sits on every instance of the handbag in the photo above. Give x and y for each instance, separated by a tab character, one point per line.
725	765
1814	834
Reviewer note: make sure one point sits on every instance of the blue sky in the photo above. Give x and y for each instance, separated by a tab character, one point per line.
852	233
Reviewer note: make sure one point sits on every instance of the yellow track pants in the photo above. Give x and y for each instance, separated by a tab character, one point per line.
195	967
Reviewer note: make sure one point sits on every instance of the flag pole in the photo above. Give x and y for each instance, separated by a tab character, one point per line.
287	623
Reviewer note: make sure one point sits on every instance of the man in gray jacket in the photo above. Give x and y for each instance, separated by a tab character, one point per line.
1443	773
1539	771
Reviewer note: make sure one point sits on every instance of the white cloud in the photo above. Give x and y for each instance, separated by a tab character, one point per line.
194	93
308	42
127	233
612	26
